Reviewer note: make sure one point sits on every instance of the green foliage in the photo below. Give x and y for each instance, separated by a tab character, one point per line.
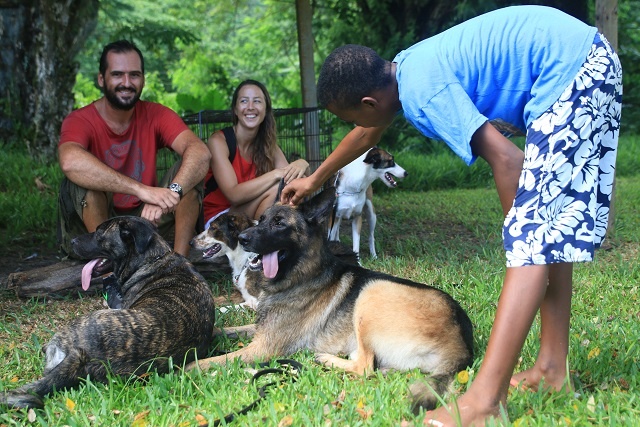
28	200
629	52
85	91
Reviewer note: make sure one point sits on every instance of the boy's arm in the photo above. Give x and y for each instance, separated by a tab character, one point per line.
505	159
356	142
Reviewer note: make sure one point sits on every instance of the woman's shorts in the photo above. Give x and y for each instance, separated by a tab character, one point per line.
561	208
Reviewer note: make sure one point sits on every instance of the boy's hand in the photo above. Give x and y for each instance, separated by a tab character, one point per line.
295	191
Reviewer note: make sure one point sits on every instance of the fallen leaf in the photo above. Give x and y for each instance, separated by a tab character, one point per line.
591	404
31	415
70	404
463	377
286	421
202	421
142	415
140	419
364	413
15	379
595	352
340	399
278	406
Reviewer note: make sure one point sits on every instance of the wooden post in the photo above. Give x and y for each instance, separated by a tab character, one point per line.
304	15
607	23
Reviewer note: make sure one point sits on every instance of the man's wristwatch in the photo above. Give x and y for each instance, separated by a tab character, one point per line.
175	187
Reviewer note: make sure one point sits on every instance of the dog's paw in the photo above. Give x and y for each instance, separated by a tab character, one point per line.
326	359
21	400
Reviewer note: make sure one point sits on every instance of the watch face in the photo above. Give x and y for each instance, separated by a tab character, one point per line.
176	187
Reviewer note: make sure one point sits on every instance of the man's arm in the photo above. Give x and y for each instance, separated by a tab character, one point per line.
195	160
356	142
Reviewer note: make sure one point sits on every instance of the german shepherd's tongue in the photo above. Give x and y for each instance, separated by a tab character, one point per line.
270	264
86	273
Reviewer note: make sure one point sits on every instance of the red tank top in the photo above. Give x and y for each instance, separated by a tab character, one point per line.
215	202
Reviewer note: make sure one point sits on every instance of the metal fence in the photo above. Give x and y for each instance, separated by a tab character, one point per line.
293	139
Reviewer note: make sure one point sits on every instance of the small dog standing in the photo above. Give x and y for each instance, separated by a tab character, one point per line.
220	239
310	299
354	193
167	311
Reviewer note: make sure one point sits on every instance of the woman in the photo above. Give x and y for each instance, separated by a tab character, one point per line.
245	179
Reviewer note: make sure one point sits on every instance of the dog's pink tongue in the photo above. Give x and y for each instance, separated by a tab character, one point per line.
270	264
86	273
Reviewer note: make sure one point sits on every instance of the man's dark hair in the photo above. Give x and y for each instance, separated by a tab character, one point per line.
350	73
120	46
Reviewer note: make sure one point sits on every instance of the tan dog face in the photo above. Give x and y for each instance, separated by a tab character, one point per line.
222	235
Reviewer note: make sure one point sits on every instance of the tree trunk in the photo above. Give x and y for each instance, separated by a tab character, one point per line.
40	39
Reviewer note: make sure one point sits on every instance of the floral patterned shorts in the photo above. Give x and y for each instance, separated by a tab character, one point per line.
561	208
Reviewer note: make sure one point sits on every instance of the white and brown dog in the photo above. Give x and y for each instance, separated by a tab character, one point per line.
354	193
221	238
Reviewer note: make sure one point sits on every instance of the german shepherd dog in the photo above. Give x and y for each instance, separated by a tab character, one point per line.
355	195
220	239
310	299
167	312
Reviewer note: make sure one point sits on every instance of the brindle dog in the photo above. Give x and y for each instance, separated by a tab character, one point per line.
167	312
310	299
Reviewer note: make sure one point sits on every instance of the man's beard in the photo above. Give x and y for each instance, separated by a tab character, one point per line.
118	103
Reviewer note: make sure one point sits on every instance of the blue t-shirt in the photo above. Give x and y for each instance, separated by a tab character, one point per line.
510	64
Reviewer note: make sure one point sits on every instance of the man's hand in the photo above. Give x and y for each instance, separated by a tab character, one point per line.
295	191
152	212
158	201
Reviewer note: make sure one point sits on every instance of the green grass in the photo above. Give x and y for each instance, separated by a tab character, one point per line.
447	237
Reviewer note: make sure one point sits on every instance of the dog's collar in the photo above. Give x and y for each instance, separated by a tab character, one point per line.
347	193
236	278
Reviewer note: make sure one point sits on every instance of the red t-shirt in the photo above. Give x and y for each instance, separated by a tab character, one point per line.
133	153
215	202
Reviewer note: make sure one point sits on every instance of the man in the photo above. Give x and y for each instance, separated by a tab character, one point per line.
107	152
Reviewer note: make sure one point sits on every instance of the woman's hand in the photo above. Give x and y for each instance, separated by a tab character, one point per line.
294	170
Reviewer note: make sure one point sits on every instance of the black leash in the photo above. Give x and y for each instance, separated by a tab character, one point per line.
294	368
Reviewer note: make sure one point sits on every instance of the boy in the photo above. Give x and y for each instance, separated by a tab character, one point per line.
549	75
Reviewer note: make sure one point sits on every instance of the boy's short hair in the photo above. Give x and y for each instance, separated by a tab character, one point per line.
350	73
120	46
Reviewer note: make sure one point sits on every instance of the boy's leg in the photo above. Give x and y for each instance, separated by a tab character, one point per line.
555	314
522	294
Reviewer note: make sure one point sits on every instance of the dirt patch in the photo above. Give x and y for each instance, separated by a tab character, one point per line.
13	260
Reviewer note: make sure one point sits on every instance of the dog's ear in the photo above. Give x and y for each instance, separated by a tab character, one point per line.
138	232
317	209
279	193
372	156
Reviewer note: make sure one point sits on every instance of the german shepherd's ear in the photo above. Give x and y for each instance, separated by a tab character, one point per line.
317	209
139	232
279	193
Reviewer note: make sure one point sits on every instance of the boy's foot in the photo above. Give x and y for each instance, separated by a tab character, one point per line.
464	412
532	379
